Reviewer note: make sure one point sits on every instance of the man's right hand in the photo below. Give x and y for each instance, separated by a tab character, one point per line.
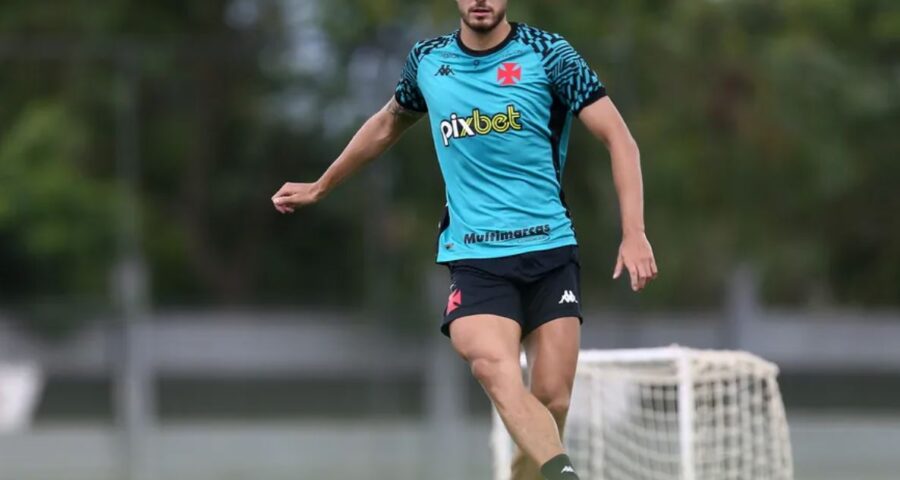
294	195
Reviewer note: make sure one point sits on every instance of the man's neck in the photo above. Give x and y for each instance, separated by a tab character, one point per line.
487	40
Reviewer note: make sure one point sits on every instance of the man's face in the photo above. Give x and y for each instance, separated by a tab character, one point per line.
482	15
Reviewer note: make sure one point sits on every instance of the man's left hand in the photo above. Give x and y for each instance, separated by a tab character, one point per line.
636	255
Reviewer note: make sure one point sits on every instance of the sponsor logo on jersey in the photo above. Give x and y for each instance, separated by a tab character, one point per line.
479	124
509	74
508	235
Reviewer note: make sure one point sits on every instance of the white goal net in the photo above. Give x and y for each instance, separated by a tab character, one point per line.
671	413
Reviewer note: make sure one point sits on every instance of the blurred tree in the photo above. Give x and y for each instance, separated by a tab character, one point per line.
56	221
767	131
764	130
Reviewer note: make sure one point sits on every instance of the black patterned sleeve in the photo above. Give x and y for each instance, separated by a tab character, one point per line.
572	79
407	92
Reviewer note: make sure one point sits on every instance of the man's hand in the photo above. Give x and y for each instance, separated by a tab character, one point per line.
294	195
375	136
636	255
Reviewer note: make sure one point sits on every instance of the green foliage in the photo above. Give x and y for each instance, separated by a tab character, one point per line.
759	122
57	222
768	132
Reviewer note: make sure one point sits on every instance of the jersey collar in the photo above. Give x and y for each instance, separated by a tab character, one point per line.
496	48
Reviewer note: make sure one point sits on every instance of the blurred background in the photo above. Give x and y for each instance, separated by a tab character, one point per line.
178	327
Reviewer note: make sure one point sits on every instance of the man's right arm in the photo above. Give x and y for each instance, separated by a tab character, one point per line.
372	139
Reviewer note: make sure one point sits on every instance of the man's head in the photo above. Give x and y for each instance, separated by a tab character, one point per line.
482	15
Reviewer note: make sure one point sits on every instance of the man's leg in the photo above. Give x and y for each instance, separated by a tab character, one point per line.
552	351
490	344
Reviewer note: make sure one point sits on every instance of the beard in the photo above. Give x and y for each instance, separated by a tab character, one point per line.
483	25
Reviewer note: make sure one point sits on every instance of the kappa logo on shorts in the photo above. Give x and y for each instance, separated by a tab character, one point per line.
568	297
454	301
568	469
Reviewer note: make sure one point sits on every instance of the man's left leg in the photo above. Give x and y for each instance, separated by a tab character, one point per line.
552	352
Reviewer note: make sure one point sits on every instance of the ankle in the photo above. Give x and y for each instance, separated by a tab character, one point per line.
559	468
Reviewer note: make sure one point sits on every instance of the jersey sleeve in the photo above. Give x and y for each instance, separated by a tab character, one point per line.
572	79
407	92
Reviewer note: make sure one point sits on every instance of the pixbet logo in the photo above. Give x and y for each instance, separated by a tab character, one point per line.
479	124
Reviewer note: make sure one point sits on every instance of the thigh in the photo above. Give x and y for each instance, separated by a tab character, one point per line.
488	337
475	291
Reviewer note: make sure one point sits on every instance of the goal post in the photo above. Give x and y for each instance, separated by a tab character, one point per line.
671	413
20	387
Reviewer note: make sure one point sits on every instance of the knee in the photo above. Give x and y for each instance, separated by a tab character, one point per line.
556	399
494	375
559	409
486	370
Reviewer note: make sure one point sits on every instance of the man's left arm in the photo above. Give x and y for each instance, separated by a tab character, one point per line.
604	121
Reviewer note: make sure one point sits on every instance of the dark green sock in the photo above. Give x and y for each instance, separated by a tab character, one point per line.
559	468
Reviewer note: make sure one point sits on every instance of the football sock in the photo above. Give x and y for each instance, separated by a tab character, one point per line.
559	468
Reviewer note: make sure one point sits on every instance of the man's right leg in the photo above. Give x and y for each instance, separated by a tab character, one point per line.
490	344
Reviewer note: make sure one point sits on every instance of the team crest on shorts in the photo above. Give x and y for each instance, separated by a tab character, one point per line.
454	301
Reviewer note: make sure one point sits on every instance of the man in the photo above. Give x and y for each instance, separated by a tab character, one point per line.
500	97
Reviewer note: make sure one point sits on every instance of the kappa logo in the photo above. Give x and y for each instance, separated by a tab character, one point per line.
568	469
479	124
509	73
444	71
568	297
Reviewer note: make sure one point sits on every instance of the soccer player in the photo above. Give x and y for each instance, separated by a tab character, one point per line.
500	97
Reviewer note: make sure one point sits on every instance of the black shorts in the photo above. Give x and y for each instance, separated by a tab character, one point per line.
532	288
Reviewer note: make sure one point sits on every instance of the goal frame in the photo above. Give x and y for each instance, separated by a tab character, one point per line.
681	358
21	384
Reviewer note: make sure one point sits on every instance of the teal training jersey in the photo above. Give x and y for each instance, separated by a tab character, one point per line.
500	119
